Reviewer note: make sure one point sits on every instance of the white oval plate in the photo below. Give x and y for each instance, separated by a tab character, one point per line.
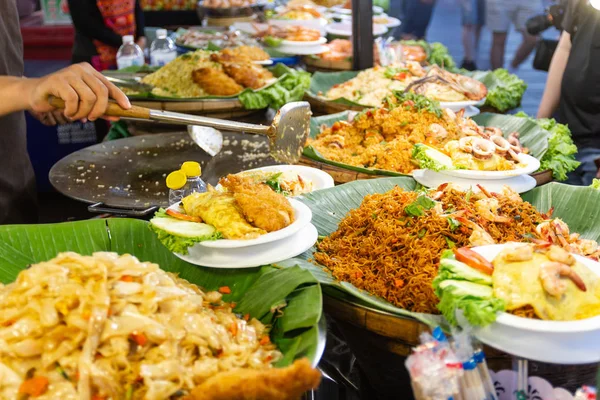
302	215
392	22
560	342
345	29
531	165
249	257
433	179
456	106
347	11
320	179
290	43
303	51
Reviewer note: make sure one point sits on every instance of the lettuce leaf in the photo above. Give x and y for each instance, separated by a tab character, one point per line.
440	55
290	87
420	154
505	90
560	157
595	184
478	311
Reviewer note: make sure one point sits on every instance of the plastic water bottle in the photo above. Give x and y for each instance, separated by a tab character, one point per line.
129	54
162	50
194	183
176	181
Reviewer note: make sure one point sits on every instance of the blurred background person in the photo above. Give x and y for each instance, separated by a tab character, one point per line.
473	19
416	17
573	89
500	14
100	26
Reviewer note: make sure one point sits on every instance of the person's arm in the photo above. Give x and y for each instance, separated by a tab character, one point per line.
85	91
88	20
551	96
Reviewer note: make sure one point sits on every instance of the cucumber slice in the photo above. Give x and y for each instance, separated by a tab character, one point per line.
186	229
465	288
459	270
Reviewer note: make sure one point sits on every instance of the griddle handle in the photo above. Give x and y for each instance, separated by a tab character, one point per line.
113	109
100	208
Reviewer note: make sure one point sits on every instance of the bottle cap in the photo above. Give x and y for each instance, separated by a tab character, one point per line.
191	168
176	180
161	33
128	39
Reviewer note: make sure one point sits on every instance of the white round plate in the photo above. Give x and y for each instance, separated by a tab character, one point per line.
433	179
249	257
319	23
294	43
456	106
303	51
348	11
264	62
471	111
531	165
559	342
320	179
345	29
391	21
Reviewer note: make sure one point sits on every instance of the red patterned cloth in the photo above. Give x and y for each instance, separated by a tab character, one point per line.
119	16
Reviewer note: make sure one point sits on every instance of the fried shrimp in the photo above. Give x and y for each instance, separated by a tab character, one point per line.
216	82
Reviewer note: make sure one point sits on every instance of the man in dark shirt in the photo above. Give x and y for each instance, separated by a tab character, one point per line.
573	86
84	90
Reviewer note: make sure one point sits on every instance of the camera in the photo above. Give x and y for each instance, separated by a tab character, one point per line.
552	17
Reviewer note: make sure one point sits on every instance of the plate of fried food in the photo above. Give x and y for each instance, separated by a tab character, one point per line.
539	292
243	216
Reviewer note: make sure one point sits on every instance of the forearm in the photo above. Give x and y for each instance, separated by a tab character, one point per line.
16	89
551	97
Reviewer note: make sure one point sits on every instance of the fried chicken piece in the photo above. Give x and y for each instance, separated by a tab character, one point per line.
248	75
241	54
270	384
229	57
260	205
216	82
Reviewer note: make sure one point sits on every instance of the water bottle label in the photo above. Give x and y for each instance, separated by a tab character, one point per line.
124	62
160	60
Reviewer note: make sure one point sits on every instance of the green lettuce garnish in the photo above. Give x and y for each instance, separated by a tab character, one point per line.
478	311
290	87
560	156
595	184
419	153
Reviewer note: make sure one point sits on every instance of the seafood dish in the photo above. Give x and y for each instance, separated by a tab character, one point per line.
205	73
413	132
372	86
198	39
107	326
533	280
287	182
243	209
299	12
228	3
392	244
272	35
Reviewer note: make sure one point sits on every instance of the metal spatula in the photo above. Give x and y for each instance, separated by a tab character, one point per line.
287	134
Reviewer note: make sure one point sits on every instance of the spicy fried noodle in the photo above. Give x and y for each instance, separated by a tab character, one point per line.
110	326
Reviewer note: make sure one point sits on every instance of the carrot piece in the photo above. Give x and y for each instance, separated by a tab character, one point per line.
86	314
139	338
398	283
265	340
246	317
127	278
36	386
224	290
234	328
183	217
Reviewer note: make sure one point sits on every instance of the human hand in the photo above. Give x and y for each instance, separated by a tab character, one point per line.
51	118
85	91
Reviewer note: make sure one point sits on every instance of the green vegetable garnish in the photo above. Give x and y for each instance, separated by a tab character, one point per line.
273	183
391	72
595	184
430	158
418	101
419	206
272	41
454	224
178	235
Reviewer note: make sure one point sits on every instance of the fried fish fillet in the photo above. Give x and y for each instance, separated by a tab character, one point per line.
270	384
221	211
216	82
261	206
248	75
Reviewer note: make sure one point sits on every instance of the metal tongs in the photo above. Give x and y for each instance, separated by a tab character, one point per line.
287	134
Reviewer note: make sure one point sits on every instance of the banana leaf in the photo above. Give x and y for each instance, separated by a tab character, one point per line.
260	292
532	136
289	86
577	206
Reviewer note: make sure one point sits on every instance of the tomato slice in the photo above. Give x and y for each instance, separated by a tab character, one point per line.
473	260
183	217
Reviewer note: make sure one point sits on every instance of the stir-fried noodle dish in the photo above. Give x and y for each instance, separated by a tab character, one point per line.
112	327
391	245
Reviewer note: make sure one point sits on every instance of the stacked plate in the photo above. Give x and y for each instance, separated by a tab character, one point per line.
517	179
